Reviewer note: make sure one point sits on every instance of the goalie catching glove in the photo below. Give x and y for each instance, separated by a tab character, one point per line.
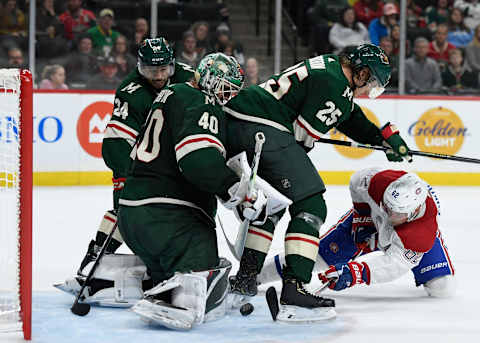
344	275
397	148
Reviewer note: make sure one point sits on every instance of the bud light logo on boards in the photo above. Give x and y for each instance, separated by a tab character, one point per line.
91	126
439	130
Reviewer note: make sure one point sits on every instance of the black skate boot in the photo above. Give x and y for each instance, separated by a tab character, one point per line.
293	293
245	282
91	256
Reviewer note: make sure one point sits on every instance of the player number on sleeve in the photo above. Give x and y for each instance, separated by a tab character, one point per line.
120	110
208	122
149	147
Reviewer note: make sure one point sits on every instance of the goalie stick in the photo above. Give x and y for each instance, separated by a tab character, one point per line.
243	229
411	152
80	308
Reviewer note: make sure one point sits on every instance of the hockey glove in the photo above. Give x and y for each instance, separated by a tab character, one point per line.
253	209
344	275
362	229
397	148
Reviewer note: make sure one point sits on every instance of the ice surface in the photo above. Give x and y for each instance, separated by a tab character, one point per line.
66	218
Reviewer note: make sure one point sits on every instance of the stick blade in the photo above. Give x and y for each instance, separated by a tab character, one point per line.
272	302
80	309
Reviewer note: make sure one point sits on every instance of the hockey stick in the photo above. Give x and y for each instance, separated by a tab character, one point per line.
411	152
243	229
80	308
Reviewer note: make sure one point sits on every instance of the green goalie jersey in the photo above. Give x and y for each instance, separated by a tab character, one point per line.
180	154
133	99
307	100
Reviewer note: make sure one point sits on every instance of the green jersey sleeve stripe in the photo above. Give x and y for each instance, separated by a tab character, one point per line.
123	128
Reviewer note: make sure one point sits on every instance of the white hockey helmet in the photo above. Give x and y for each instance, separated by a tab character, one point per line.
404	199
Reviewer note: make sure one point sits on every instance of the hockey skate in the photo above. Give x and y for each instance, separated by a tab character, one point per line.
298	305
245	282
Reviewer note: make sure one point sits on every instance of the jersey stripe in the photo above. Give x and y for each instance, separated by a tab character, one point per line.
258	239
116	129
162	200
196	142
255	119
308	128
445	251
342	219
301	244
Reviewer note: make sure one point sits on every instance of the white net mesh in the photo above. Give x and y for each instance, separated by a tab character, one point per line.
9	199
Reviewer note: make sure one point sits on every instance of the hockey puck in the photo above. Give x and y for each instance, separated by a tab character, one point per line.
246	309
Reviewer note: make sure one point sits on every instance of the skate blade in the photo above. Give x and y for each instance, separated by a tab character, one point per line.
299	315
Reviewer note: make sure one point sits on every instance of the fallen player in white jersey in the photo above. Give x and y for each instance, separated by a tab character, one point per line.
393	212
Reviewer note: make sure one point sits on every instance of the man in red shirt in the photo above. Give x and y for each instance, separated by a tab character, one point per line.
367	10
438	48
76	19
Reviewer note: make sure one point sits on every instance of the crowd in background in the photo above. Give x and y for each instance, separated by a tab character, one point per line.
443	38
85	44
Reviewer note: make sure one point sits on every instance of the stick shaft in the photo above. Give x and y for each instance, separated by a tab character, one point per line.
412	152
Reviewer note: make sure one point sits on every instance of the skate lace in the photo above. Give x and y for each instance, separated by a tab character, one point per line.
301	289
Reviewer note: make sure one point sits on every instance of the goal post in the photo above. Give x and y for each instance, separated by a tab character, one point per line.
16	181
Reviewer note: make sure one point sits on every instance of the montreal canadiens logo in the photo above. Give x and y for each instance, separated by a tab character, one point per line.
91	127
333	247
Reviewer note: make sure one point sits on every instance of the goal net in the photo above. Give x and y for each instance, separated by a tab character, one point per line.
16	142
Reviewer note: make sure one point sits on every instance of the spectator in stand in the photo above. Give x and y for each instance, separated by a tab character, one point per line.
367	10
439	48
458	33
251	72
107	78
348	31
141	33
49	32
76	19
81	65
471	9
395	36
124	59
13	25
472	51
415	18
188	53
457	75
103	37
15	58
387	45
223	38
53	77
381	27
201	31
438	15
421	72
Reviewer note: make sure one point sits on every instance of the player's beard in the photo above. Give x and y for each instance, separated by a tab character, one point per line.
159	83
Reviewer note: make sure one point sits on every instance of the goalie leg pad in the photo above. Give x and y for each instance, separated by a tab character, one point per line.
196	297
117	282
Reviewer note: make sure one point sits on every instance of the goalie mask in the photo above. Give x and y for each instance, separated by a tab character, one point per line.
153	56
220	76
375	59
404	199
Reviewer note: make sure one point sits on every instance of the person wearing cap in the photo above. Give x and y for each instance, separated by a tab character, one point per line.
107	78
103	37
381	27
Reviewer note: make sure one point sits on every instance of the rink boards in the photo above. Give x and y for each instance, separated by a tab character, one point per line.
69	127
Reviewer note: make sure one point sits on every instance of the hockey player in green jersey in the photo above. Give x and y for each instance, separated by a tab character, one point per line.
168	204
155	70
293	109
